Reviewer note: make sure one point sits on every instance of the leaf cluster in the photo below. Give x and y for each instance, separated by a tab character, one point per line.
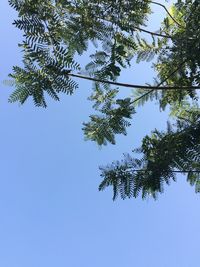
162	155
112	117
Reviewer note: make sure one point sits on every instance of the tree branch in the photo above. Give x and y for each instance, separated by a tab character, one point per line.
163	6
153	33
143	30
157	87
175	171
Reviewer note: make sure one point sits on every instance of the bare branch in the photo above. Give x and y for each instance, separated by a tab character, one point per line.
137	86
153	2
153	33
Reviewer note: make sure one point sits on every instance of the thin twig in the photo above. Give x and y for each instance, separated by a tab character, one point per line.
152	33
153	2
159	85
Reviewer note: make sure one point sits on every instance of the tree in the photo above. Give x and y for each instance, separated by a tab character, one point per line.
56	31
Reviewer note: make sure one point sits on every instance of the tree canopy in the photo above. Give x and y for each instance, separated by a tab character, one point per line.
56	32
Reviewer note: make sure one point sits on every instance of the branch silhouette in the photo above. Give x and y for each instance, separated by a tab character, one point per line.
138	86
163	6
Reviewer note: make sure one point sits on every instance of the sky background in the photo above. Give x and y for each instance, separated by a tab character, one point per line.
51	213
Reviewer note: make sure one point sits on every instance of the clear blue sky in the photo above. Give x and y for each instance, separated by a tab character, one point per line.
51	213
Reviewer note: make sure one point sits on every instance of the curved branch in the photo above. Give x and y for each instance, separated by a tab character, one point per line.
163	6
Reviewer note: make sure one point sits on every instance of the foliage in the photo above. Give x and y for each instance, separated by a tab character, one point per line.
102	128
162	153
56	32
